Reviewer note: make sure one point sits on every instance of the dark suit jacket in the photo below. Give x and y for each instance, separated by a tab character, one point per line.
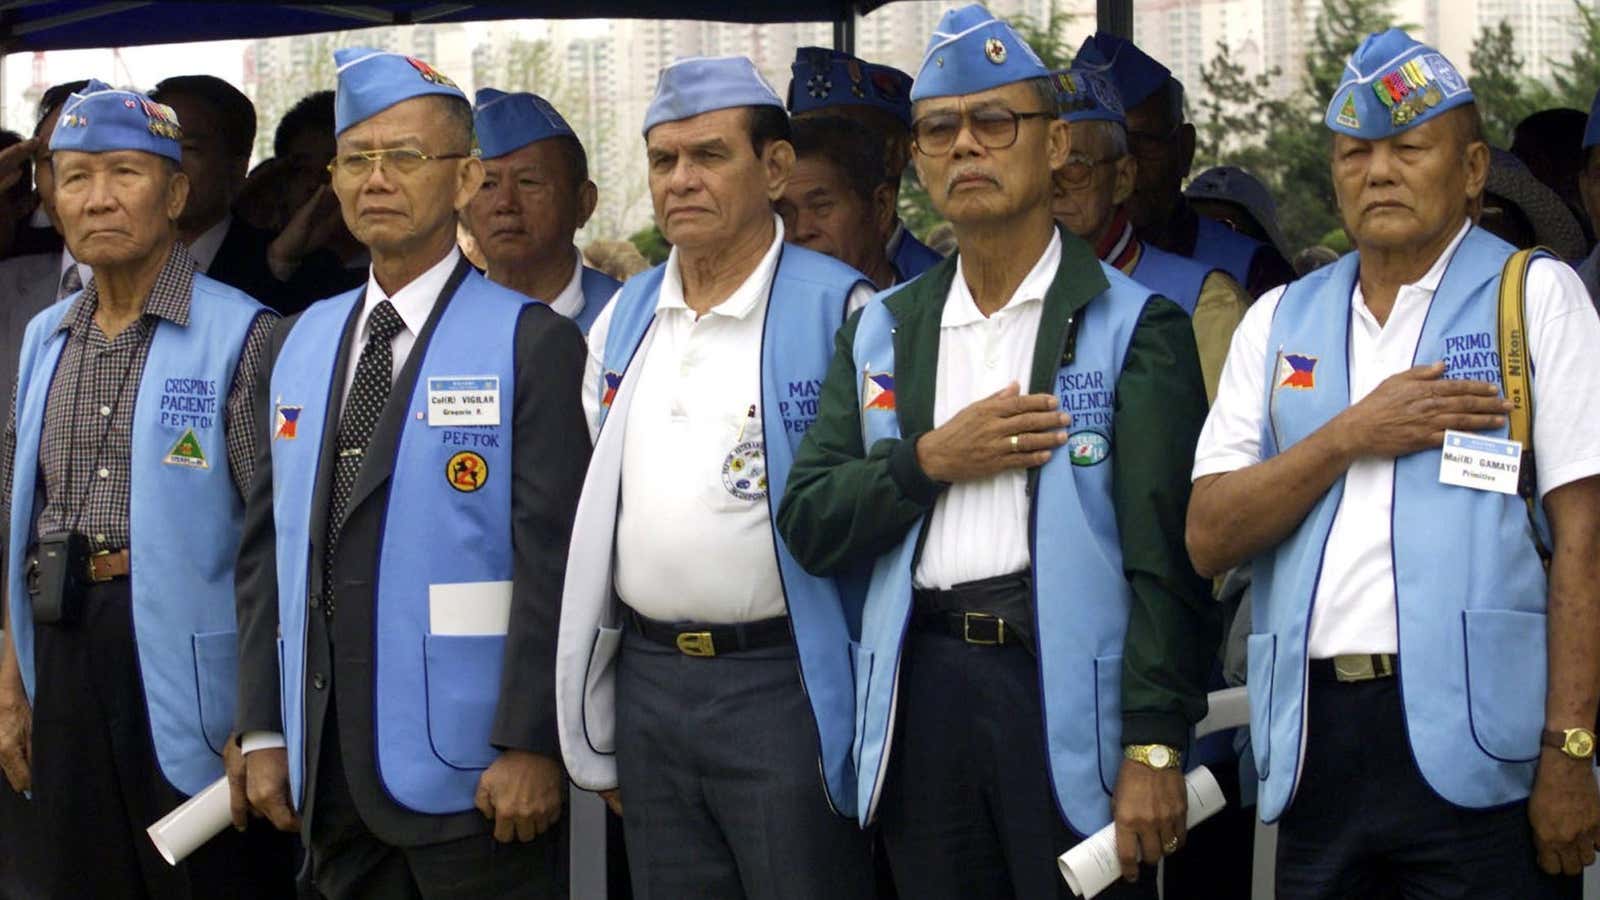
552	453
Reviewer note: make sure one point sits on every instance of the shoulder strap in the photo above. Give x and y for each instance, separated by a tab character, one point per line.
1516	379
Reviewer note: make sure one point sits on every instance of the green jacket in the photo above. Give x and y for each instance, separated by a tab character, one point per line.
846	504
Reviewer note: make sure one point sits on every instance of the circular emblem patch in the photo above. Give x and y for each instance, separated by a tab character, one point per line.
818	86
744	472
995	49
1087	448
466	471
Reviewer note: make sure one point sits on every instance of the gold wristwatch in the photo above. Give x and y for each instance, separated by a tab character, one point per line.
1156	756
1577	743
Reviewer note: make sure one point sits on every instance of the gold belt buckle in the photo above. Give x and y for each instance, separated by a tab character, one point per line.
94	577
696	643
1362	666
966	629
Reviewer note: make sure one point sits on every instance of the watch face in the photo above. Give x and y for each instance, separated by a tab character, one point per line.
1160	757
1580	743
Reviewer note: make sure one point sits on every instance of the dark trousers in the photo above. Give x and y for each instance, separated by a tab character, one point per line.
97	785
1364	823
350	863
721	793
968	811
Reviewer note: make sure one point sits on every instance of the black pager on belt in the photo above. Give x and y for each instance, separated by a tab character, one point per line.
55	577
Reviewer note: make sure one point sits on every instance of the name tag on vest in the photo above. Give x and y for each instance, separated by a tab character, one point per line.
463	400
1483	463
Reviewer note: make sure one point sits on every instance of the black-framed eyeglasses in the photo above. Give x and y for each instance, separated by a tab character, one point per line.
1078	170
401	160
993	127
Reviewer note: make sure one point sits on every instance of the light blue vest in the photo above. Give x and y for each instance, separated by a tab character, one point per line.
435	694
1215	244
598	289
1469	585
1081	597
1174	277
810	294
913	257
183	521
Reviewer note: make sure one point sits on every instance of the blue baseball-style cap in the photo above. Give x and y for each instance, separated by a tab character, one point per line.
694	85
826	78
1393	83
1086	96
972	51
100	119
506	122
371	81
1132	71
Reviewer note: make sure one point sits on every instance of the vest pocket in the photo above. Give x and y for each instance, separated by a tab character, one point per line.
463	684
1505	671
1261	652
216	678
600	727
1108	717
861	658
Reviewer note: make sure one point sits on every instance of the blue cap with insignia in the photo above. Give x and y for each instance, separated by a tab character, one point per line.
100	119
1392	83
694	85
1591	132
1087	96
508	122
826	78
1134	73
371	81
972	51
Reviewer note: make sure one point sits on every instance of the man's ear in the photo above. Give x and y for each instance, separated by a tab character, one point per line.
884	213
588	199
1127	169
177	194
778	159
469	178
1476	160
1060	137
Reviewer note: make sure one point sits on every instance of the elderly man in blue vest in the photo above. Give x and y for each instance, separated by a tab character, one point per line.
400	572
536	194
703	676
1001	442
878	98
130	444
1163	143
1092	190
1422	688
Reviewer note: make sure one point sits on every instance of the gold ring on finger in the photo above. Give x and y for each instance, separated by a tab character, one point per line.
1016	442
1171	846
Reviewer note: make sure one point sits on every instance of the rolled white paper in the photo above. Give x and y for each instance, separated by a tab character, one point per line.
1092	866
199	819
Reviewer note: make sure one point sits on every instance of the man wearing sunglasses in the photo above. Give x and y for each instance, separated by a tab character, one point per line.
1163	144
401	564
1091	193
996	442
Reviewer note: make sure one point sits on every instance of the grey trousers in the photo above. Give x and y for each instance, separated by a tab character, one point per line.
722	796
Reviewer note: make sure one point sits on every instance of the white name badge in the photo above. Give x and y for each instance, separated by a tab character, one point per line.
1483	463
461	400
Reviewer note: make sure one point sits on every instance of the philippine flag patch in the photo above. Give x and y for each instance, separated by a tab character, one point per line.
613	381
288	419
1296	370
877	390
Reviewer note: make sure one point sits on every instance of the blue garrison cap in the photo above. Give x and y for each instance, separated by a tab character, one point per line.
1132	71
1591	132
1392	83
508	122
826	78
1087	96
371	81
694	85
972	51
100	119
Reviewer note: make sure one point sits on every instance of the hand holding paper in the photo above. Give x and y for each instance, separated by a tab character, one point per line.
1092	865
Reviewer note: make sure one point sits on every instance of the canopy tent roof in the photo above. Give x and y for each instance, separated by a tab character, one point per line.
58	25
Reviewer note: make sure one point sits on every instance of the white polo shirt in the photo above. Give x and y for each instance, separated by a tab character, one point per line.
979	529
570	301
694	536
1355	608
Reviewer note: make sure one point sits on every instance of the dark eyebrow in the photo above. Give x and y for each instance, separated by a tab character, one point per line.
817	192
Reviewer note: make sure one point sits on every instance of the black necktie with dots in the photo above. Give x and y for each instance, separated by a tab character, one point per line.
368	394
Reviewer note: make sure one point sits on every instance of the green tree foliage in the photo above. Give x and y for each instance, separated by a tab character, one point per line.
1048	37
1503	93
651	244
1574	80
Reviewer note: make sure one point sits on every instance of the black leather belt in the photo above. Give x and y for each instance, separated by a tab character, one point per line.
692	639
1353	667
989	612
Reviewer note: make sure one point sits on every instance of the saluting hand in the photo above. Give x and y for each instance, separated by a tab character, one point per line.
1005	430
1564	811
11	160
1411	411
267	787
16	737
1150	809
521	793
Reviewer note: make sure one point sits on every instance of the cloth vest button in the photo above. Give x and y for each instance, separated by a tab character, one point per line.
319	682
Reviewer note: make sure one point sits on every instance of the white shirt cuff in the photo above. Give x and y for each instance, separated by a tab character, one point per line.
251	741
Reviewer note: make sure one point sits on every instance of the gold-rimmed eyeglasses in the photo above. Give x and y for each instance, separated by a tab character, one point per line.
1078	170
400	160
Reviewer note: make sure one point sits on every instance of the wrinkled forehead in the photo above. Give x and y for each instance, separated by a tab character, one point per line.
727	126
